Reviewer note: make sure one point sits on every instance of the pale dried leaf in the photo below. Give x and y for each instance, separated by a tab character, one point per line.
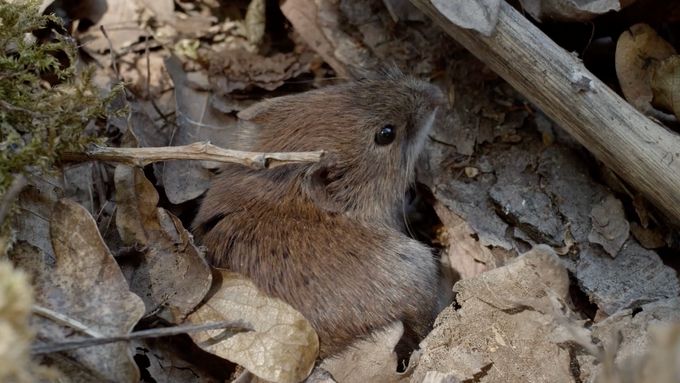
302	14
145	76
639	50
504	325
569	10
478	15
162	10
282	346
255	21
439	377
33	222
81	280
464	255
610	228
370	360
644	345
170	275
121	22
666	85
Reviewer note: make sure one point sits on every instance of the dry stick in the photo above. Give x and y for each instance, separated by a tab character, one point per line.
65	320
203	151
234	327
642	152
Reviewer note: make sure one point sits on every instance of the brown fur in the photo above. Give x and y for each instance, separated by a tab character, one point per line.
327	237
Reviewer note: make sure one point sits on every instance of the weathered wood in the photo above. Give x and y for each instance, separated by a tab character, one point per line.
203	151
640	151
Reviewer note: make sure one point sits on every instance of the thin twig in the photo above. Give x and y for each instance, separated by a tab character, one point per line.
18	184
112	52
234	327
202	151
65	320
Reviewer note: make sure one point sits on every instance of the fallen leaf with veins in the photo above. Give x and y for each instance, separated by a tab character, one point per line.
282	346
170	273
78	277
504	325
370	360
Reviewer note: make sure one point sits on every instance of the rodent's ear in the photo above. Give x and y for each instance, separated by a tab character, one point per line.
315	185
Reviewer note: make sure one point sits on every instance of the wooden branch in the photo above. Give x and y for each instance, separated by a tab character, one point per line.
203	151
640	151
232	327
65	320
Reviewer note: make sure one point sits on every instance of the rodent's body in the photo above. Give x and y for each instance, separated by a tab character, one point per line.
326	238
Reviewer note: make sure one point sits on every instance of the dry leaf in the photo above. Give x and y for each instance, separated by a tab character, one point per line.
666	85
170	274
371	360
635	276
197	121
303	15
648	238
639	51
465	255
242	70
505	324
35	204
255	21
643	343
82	281
120	19
439	377
610	228
322	25
569	10
478	15
282	346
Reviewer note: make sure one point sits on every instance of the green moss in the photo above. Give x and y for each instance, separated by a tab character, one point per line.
39	119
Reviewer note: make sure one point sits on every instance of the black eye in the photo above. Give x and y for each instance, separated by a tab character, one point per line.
385	135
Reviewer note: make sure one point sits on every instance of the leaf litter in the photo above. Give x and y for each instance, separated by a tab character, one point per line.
500	188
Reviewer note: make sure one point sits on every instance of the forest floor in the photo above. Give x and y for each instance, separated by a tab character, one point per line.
599	303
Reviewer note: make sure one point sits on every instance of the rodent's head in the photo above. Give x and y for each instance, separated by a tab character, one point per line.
373	130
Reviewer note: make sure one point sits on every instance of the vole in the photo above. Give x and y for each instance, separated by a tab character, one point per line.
327	237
